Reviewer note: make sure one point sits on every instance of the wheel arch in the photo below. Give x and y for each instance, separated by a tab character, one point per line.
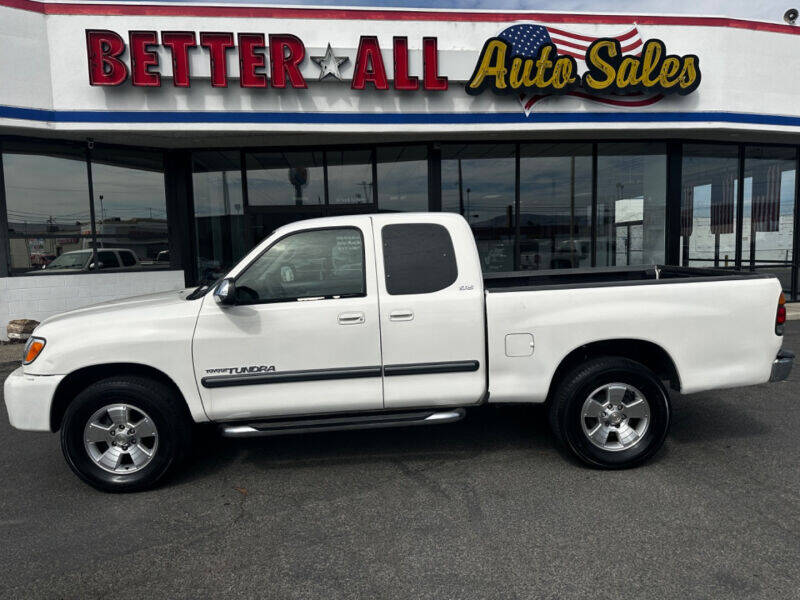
647	353
79	380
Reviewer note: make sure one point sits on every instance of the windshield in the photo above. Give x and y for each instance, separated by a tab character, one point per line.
70	260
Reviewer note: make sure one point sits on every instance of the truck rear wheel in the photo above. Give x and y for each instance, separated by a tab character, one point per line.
124	434
611	413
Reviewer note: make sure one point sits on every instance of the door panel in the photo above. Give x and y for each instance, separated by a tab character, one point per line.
313	355
433	343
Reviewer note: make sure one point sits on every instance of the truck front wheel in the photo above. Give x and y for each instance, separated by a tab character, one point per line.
611	412
124	434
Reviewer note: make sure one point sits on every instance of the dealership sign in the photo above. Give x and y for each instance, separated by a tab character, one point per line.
527	60
285	53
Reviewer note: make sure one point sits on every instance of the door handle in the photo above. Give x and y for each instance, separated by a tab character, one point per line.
353	318
401	315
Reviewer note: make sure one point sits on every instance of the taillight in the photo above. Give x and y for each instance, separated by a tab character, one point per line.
780	316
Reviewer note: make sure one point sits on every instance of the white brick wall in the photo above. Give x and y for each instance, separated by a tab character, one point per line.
38	297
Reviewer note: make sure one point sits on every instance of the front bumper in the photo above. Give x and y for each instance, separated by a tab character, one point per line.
28	399
782	365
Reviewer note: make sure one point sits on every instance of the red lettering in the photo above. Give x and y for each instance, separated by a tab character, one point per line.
249	60
286	52
104	48
402	81
430	59
218	44
369	65
143	57
179	43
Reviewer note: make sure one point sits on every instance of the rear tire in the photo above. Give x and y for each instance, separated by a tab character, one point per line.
125	434
611	413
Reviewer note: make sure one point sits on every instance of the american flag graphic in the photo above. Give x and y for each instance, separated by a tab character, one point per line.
766	205
722	206
525	40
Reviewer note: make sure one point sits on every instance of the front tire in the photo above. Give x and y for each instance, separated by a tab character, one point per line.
611	413
125	434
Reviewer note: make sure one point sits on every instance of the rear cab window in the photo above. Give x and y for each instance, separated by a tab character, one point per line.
418	258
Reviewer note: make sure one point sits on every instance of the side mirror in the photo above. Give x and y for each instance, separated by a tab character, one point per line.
225	294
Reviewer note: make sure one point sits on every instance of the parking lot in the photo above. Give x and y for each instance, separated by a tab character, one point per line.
485	508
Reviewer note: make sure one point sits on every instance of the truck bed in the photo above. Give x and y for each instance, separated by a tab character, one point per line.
609	276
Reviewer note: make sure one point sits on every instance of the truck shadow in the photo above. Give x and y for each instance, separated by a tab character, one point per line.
516	430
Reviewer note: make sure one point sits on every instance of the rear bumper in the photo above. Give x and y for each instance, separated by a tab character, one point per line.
28	399
782	365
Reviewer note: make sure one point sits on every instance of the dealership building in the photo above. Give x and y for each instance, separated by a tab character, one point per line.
146	147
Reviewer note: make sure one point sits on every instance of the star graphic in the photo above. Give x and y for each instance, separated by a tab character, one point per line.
329	64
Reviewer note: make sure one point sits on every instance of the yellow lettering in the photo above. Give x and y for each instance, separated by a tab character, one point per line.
628	72
514	79
596	60
669	69
562	73
542	65
688	75
651	57
493	64
527	80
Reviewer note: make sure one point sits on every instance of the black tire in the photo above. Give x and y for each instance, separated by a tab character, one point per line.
565	411
158	401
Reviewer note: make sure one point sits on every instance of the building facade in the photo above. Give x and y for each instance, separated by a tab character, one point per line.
186	134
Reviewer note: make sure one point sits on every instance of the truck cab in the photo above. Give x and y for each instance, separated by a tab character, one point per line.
374	313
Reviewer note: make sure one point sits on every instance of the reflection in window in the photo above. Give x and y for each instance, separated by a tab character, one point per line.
218	211
402	178
130	204
324	263
478	182
631	203
710	182
768	211
47	200
350	176
285	179
555	206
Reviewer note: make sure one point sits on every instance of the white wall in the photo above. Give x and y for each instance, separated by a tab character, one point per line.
41	296
43	64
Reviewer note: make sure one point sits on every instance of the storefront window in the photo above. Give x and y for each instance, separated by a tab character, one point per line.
218	212
47	201
285	179
130	206
478	181
631	203
350	176
402	178
282	187
555	206
710	183
768	210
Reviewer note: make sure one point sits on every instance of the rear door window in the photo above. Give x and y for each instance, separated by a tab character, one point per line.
108	259
418	258
128	259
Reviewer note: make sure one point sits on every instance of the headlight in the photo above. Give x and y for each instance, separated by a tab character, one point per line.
33	349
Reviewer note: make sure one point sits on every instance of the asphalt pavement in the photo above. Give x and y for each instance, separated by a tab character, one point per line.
484	508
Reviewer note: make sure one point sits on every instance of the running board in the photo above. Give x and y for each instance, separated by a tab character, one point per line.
373	421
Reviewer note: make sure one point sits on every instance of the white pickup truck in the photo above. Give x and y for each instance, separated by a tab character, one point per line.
387	320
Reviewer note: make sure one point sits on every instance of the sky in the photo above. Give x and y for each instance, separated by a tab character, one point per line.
766	10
